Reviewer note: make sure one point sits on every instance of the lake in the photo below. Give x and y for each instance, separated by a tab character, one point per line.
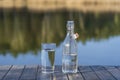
23	31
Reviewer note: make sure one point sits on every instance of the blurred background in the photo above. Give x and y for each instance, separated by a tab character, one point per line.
25	24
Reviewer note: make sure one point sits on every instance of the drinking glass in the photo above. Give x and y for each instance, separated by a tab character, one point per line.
47	57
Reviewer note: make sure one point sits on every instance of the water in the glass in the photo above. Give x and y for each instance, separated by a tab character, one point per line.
47	58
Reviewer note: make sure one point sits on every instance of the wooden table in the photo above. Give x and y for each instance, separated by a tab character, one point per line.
33	72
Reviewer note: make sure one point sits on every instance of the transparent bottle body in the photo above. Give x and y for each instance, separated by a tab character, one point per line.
69	56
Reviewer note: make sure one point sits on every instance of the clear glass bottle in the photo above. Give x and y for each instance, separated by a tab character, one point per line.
69	55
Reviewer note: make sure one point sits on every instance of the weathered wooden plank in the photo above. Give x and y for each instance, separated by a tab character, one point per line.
4	70
29	73
90	76
102	73
76	76
33	72
14	73
43	76
114	71
109	67
97	68
58	75
88	73
118	67
84	69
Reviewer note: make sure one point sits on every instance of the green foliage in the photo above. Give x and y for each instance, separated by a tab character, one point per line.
22	31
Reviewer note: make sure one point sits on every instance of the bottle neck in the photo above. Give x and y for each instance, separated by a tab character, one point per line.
70	32
70	28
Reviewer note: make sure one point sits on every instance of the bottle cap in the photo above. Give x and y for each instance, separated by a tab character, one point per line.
70	25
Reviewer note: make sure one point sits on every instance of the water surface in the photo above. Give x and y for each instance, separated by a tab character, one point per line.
23	31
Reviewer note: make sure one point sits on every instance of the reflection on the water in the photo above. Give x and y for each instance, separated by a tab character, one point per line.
23	31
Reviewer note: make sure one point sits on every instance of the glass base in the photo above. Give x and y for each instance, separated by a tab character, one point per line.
69	71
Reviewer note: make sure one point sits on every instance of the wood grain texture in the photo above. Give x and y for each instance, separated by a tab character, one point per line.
76	76
43	76
14	73
88	73
58	75
90	76
102	73
29	73
33	72
114	71
4	70
84	69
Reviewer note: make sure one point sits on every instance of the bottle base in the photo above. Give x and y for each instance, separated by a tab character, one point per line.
68	71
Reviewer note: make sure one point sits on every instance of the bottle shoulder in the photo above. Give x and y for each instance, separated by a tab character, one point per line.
71	41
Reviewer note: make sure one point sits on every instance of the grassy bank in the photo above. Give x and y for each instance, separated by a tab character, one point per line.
79	5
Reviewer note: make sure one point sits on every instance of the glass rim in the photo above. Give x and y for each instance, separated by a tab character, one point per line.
48	45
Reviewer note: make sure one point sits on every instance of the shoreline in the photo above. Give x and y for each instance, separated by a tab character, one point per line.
70	5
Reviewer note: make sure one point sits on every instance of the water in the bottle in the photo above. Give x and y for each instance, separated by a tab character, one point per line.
69	64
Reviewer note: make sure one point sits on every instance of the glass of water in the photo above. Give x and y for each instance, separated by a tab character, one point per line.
48	57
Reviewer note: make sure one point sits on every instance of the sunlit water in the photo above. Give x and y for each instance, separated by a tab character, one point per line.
22	32
104	52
